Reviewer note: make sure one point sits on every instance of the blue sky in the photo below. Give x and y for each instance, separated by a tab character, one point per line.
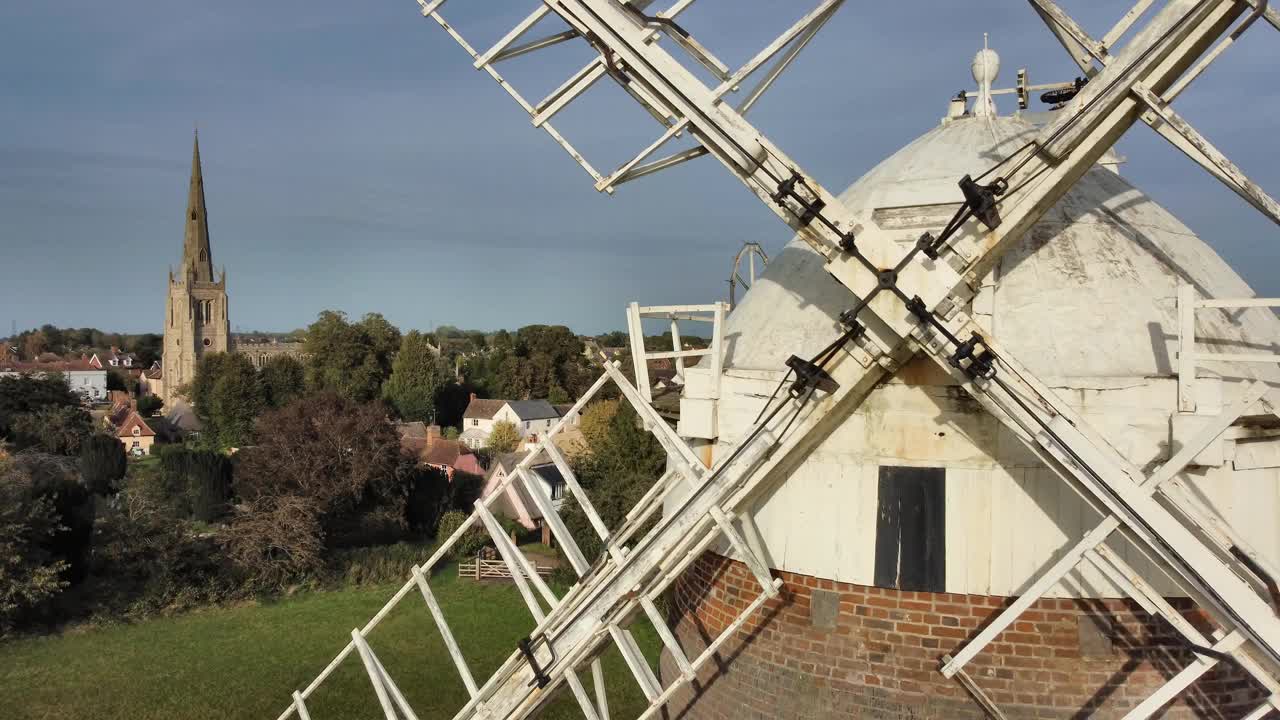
354	160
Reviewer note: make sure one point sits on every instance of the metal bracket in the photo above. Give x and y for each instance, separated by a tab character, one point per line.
540	677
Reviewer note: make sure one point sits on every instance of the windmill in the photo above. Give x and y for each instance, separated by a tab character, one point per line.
903	302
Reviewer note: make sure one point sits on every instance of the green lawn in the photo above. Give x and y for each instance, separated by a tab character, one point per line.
244	662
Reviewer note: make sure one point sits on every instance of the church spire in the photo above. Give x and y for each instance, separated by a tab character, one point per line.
196	254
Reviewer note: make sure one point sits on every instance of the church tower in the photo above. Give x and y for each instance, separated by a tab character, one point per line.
196	309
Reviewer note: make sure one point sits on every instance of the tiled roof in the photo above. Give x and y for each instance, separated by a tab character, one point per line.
445	452
533	409
483	409
131	421
50	366
413	436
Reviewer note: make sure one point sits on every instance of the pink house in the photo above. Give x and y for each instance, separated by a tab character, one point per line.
451	456
516	502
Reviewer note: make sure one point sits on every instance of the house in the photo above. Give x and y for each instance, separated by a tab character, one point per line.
126	425
151	382
516	502
432	449
115	358
532	418
451	456
82	377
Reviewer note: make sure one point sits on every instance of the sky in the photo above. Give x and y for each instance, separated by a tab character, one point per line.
354	160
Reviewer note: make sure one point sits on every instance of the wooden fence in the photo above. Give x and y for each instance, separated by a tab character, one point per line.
481	569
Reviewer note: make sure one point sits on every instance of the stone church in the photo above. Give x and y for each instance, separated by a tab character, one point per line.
196	308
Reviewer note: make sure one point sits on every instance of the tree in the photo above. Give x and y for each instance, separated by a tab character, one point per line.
31	573
57	480
417	376
35	344
149	405
546	361
56	430
103	464
282	379
621	467
208	484
27	393
341	455
616	338
277	539
350	359
504	437
118	380
596	423
227	397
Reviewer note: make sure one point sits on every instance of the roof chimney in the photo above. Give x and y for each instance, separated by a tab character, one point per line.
433	434
473	397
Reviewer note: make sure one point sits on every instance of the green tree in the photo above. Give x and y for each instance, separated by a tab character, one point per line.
23	394
283	380
545	361
209	478
504	438
118	380
57	479
350	359
56	430
417	375
227	398
31	573
149	405
597	423
619	470
103	464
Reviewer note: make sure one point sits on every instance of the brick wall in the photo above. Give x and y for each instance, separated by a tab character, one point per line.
824	649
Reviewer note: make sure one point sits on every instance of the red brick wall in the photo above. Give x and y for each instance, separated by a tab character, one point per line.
874	653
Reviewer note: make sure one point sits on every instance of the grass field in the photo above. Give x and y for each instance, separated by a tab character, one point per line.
244	662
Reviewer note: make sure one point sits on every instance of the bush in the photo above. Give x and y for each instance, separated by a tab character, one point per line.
148	562
471	542
428	499
276	541
376	565
103	464
30	574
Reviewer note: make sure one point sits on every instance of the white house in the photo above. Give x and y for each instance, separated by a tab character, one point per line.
82	377
532	418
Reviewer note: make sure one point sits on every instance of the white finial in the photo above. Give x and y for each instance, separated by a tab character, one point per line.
986	66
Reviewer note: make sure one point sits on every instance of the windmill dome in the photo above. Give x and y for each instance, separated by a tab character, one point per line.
919	515
1090	292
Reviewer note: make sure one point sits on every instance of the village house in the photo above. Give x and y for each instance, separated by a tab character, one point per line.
432	449
516	502
115	358
127	426
81	376
532	418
